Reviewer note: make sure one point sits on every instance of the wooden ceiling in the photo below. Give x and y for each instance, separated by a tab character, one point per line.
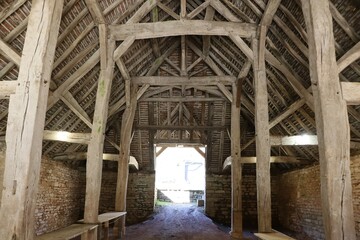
184	64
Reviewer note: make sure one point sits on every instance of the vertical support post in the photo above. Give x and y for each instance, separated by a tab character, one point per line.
236	170
123	164
26	122
263	184
96	145
332	123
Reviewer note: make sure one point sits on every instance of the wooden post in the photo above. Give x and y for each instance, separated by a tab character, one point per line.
123	165
26	122
332	123
96	145
236	197
263	185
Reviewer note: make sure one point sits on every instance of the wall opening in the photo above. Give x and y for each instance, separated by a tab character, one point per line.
180	174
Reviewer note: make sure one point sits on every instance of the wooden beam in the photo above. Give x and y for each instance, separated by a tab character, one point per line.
187	81
10	53
26	119
142	11
273	159
69	137
183	27
123	47
182	99
349	57
332	123
71	102
162	149
225	91
183	14
351	92
199	9
242	46
209	15
236	171
200	151
7	88
269	13
96	145
180	127
262	134
95	11
224	11
301	140
123	170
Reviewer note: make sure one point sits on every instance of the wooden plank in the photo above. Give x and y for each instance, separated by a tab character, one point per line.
95	11
209	15
123	47
349	57
7	88
182	99
332	129
198	10
301	140
224	11
262	134
236	171
142	11
69	232
225	91
183	27
273	236
10	9
351	92
187	81
125	141
69	137
26	121
96	145
10	53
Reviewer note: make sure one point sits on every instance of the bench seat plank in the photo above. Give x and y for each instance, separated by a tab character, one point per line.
69	232
273	236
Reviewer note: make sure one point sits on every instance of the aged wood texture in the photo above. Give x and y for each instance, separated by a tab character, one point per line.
26	122
183	27
123	170
96	145
236	175
262	135
332	129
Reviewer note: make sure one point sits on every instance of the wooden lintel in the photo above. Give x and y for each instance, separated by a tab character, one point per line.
186	81
351	92
183	27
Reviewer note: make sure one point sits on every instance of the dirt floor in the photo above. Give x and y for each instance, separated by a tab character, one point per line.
179	222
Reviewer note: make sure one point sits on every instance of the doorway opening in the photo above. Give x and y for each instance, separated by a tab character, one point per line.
180	174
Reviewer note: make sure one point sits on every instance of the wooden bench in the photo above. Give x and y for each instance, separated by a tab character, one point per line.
104	224
70	232
273	236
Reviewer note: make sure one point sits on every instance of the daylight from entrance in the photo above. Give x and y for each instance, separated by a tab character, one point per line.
180	174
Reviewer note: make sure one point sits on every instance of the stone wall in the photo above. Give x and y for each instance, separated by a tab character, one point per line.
218	199
300	201
60	199
140	196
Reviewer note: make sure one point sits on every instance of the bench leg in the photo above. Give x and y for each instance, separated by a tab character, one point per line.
106	230
89	235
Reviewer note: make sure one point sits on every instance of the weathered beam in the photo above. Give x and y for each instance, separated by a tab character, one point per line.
236	171
301	140
224	11
202	153
225	91
262	134
187	81
96	145
332	123
10	9
69	137
7	88
269	12
181	127
71	102
162	149
242	46
273	159
349	57
351	92
168	11
142	11
10	53
95	11
26	121
123	47
209	15
123	170
199	9
183	27
182	99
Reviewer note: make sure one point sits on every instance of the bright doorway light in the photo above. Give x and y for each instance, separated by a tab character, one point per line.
180	174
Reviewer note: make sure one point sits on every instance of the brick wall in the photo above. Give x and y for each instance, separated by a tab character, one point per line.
300	201
218	199
60	199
